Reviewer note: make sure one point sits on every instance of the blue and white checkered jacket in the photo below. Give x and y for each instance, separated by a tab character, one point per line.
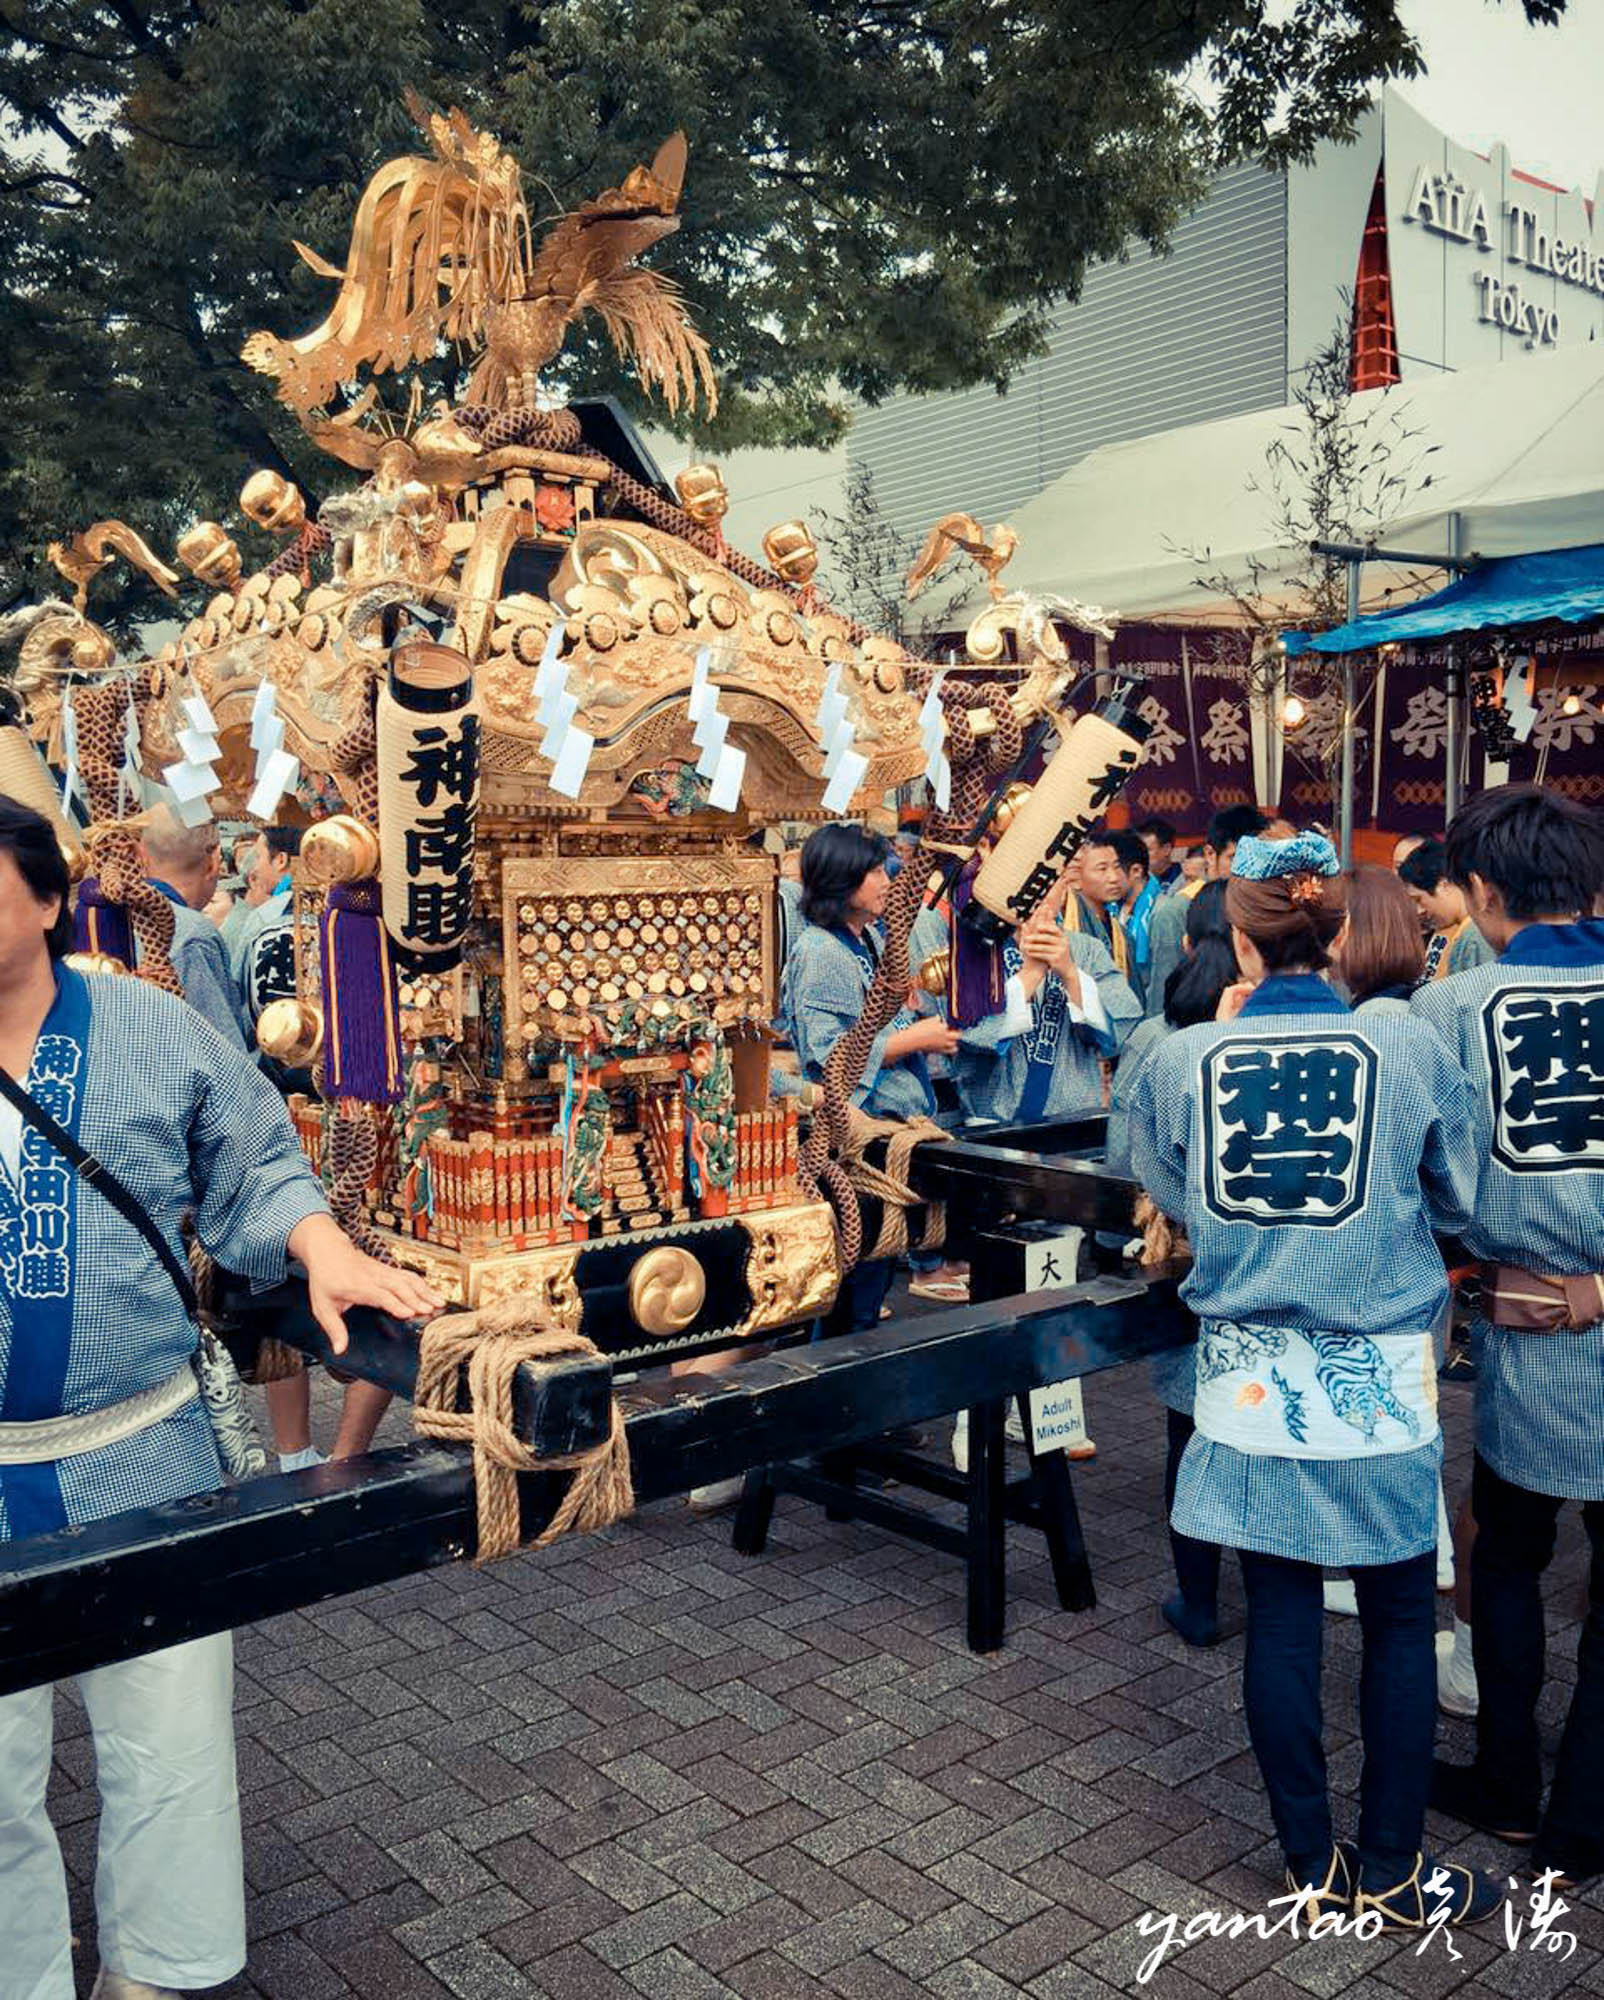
821	996
187	1124
1309	1155
990	1072
1531	1037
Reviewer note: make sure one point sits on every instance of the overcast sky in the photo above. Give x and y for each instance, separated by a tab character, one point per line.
1492	77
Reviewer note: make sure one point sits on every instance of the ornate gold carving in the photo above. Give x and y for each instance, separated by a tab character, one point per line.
548	1275
442	248
208	553
291	1032
340	849
791	552
273	502
667	1289
498	534
962	534
703	495
524	880
81	559
793	1268
933	974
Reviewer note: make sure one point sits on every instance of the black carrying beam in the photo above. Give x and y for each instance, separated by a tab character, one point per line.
983	1178
565	1406
159	1575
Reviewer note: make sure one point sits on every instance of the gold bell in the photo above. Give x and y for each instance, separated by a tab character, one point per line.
206	552
94	961
703	494
1008	807
291	1032
934	973
273	502
791	552
340	849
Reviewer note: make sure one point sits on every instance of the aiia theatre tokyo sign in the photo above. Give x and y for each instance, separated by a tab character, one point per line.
1517	230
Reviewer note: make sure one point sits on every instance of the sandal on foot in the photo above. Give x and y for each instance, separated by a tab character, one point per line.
1433	1892
950	1291
1334	1895
1459	1791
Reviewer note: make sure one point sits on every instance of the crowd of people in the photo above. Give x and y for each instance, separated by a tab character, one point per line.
1321	1076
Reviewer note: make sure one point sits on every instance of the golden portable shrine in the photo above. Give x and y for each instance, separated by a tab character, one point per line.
538	707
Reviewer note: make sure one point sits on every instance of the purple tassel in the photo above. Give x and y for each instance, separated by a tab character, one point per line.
101	925
976	984
361	1016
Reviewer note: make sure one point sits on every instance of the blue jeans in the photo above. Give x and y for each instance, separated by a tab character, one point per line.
857	1304
1397	1708
1197	1564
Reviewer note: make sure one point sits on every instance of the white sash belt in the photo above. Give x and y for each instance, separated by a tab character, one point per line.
67	1437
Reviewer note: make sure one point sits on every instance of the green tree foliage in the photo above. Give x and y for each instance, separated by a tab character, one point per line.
883	194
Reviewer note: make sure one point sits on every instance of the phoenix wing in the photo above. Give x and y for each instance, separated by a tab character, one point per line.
951	533
435	241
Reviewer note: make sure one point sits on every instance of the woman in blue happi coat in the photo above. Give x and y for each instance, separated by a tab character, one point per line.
826	980
1192	995
1309	1152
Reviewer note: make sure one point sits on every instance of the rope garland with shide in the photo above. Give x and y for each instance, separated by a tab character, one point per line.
492	1343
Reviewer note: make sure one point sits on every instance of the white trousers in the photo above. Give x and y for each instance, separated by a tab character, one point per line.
169	1881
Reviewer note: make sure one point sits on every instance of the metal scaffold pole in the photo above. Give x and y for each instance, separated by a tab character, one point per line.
1349	703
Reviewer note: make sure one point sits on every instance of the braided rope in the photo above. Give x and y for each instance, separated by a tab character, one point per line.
353	1156
296	558
492	1344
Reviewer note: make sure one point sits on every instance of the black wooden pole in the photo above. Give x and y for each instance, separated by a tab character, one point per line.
158	1575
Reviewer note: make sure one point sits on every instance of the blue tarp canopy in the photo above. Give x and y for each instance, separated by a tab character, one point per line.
1562	584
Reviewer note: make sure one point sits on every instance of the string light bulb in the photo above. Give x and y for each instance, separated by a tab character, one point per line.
1294	713
1571	705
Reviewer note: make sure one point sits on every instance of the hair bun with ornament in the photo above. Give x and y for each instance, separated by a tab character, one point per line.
1282	887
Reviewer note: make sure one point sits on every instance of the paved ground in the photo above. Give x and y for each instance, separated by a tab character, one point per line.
642	1764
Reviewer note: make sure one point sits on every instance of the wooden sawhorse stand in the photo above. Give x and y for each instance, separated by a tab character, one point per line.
1043	1498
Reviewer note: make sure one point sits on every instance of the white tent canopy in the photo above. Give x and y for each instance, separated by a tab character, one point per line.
1520	460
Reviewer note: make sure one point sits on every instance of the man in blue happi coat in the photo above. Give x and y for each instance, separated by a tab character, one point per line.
99	1412
1529	1030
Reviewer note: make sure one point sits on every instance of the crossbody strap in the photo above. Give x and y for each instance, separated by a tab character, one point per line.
105	1183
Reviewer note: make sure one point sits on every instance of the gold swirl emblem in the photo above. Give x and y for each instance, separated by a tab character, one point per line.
666	1290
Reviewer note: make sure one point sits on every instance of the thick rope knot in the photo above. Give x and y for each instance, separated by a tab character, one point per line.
492	1344
889	1184
1162	1240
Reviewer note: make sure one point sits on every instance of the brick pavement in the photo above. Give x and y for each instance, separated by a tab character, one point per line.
644	1765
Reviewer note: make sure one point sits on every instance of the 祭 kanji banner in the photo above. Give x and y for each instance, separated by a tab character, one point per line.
1564	751
1165	784
1221	720
1199	755
1404	783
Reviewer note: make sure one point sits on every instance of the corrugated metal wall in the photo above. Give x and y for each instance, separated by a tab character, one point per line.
1155	343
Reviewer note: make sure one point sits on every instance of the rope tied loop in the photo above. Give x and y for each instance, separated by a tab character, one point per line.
492	1343
889	1184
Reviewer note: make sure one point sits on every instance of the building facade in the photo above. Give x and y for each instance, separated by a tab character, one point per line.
1427	256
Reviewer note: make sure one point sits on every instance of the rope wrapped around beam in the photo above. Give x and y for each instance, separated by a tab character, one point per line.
889	1184
492	1344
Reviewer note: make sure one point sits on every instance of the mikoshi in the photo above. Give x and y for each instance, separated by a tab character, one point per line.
535	707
